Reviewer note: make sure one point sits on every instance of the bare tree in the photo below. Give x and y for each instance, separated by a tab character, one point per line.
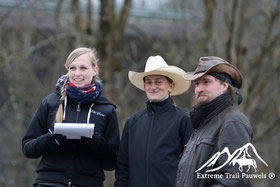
33	49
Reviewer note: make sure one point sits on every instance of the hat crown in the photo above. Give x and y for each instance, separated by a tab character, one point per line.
205	63
156	65
211	64
155	62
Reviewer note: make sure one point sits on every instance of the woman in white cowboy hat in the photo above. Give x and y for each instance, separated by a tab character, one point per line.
154	138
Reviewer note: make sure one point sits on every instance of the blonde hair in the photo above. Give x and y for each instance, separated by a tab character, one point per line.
234	93
72	56
232	90
59	113
80	51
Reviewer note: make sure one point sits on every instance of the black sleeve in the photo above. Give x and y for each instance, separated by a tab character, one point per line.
186	129
121	173
36	140
233	135
105	147
112	137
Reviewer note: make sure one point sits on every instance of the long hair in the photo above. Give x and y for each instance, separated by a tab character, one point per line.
59	113
232	90
72	56
234	93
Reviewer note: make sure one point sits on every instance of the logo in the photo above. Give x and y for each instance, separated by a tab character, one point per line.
98	113
240	156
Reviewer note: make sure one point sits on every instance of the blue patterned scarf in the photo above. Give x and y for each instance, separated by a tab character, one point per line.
85	94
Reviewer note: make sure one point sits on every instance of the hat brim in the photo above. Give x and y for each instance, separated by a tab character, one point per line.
229	69
172	72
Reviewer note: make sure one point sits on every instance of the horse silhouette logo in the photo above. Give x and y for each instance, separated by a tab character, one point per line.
243	160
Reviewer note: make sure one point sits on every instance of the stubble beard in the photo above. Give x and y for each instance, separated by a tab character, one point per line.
201	101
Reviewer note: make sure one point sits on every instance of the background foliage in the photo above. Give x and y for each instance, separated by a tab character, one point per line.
36	37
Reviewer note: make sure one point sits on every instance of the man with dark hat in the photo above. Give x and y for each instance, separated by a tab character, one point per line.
220	129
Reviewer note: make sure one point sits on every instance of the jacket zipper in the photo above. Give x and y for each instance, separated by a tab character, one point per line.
148	150
77	119
78	112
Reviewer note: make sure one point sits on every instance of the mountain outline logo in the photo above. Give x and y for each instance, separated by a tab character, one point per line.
235	158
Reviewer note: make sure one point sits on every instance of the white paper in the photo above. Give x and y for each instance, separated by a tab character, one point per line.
74	130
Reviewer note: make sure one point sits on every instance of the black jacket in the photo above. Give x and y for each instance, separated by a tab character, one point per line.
226	128
77	162
152	142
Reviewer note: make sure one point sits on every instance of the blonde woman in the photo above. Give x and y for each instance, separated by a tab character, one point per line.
78	99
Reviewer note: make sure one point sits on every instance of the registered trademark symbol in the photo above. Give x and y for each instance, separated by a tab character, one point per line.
271	175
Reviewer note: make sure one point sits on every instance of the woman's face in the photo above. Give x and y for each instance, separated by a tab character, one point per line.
157	88
81	71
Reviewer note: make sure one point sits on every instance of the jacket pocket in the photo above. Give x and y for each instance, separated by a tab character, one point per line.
208	141
205	148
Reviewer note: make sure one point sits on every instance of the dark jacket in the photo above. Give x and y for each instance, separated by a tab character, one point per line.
227	128
152	142
77	162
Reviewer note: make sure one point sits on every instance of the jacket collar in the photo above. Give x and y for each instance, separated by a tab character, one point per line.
159	107
202	114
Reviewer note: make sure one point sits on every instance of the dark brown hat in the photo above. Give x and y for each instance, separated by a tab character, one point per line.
211	64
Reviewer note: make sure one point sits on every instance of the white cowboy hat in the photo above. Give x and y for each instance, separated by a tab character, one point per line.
156	65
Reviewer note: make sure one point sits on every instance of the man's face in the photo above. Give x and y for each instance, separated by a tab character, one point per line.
208	88
157	88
